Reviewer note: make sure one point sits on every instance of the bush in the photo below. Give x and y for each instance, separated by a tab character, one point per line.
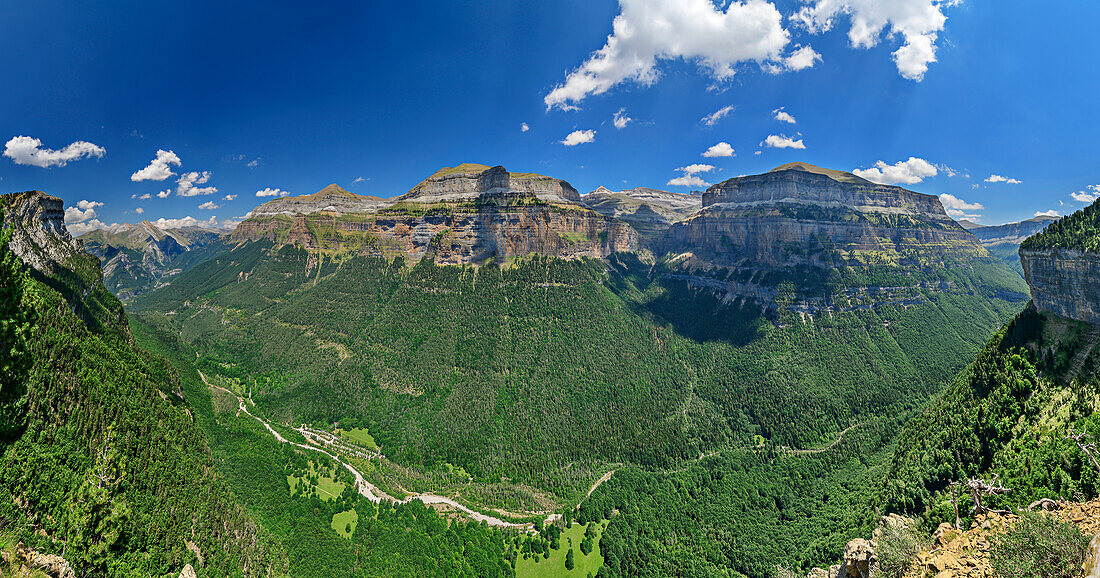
1037	546
897	548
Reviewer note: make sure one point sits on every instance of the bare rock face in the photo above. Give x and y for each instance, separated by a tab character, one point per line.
462	214
1065	282
470	181
799	214
39	235
649	211
331	198
803	223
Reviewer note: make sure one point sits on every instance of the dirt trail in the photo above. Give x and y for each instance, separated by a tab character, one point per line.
826	448
368	490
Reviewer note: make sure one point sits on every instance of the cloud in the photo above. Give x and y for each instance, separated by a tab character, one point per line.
1000	179
1086	196
801	59
185	187
620	119
917	22
1050	213
269	192
254	163
189	221
144	197
83	211
783	116
78	229
24	150
208	206
722	149
164	194
958	209
230	197
579	137
907	172
159	169
690	177
713	118
648	31
782	142
139	210
523	127
688	181
696	168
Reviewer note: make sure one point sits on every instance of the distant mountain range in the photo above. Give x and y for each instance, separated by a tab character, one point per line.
141	257
1003	241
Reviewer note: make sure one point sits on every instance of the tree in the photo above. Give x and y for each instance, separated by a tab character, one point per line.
15	324
569	559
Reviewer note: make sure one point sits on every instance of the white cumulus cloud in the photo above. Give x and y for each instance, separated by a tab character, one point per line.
801	59
690	178
269	192
782	142
185	187
25	150
83	211
713	118
208	206
1088	196
164	194
139	210
648	31
523	127
579	137
959	209
231	197
1000	179
783	116
917	22
1050	213
722	149
159	169
907	172
620	119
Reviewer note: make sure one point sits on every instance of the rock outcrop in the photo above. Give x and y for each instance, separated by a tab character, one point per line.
39	235
798	214
1065	282
463	214
803	224
142	256
331	198
649	211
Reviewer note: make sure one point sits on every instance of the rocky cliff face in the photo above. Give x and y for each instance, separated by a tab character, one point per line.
805	224
39	235
139	257
463	214
1065	282
649	211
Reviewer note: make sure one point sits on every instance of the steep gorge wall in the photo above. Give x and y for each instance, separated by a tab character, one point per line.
1065	282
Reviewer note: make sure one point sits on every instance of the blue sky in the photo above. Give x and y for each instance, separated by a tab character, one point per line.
375	96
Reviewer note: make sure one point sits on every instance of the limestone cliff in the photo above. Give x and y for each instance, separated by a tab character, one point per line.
649	211
1065	282
462	214
39	235
841	241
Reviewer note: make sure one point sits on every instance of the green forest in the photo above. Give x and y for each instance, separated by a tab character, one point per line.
1079	231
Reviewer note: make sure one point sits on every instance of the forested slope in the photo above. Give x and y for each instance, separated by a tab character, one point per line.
521	371
99	458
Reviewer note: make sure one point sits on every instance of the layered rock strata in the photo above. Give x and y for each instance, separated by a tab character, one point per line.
1065	282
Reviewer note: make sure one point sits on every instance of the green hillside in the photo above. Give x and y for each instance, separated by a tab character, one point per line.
537	377
1079	231
1008	414
98	451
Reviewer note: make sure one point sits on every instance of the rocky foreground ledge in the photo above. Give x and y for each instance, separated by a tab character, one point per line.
1065	282
963	553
